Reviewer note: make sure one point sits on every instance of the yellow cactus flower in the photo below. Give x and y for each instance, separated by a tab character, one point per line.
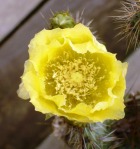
69	73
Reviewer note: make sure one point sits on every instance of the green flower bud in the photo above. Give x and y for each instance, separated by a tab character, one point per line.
62	20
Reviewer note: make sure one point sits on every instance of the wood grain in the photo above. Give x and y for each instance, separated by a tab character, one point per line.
133	74
53	142
17	117
12	12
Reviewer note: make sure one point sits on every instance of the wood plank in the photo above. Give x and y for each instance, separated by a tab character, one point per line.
17	115
133	75
53	142
21	127
12	12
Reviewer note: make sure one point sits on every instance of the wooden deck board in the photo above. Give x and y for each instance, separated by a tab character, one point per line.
133	75
12	12
17	115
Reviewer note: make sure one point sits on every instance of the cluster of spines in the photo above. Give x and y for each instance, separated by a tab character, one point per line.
129	22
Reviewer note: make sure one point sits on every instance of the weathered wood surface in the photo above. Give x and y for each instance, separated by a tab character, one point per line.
18	120
53	142
12	12
133	74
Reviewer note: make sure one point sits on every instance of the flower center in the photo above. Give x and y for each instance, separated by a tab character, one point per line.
76	79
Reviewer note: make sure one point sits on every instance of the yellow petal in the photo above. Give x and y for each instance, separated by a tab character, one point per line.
59	100
114	112
22	92
31	80
43	105
100	106
80	109
82	47
78	34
